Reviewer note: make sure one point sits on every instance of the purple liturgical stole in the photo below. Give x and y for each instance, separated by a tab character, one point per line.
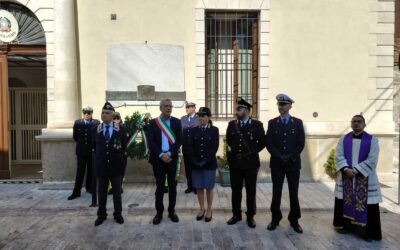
355	199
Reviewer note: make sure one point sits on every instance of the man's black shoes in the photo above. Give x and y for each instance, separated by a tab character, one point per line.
297	228
157	219
251	222
73	196
119	219
99	221
272	226
234	219
174	217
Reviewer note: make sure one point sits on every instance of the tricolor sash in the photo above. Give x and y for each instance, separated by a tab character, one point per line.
355	198
167	131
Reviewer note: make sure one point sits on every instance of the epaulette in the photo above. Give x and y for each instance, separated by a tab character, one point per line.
99	128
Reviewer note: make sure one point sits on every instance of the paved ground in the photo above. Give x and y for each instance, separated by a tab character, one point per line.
36	216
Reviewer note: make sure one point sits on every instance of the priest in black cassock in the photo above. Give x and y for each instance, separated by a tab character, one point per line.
357	186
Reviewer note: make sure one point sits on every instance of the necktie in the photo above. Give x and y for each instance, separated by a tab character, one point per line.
107	134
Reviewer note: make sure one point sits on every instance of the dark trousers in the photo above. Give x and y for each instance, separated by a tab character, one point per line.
103	186
278	176
160	170
84	162
125	162
250	180
95	184
373	228
188	170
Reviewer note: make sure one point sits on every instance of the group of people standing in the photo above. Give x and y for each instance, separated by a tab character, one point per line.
356	159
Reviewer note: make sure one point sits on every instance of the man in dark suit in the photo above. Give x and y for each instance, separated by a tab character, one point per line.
164	138
285	141
109	147
82	134
245	139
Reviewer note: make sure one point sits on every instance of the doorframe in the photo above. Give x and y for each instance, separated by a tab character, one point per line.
4	124
5	50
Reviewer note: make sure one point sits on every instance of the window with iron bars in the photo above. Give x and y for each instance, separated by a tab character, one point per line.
231	61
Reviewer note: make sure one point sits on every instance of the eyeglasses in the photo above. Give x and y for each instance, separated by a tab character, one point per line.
167	106
87	113
282	104
117	118
105	112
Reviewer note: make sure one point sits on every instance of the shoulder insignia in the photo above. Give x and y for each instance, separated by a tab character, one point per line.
99	128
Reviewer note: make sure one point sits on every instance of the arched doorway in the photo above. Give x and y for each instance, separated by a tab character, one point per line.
23	93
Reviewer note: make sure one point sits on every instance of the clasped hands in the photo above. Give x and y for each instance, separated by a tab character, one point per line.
285	158
350	172
166	158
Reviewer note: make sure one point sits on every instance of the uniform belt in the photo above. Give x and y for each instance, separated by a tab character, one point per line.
242	156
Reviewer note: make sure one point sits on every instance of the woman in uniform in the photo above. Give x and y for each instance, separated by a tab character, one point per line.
204	143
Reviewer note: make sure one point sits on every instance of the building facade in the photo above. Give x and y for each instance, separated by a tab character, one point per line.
334	58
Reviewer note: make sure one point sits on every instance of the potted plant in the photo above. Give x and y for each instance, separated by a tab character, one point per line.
223	168
330	167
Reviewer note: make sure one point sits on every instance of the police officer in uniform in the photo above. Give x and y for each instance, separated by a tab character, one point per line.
118	119
109	147
83	138
245	138
204	143
285	141
188	121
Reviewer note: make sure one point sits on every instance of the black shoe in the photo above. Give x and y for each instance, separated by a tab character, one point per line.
251	222
119	219
188	190
157	219
367	239
93	205
272	226
73	196
208	219
194	191
343	230
202	216
122	190
297	228
110	191
99	221
165	190
173	217
234	219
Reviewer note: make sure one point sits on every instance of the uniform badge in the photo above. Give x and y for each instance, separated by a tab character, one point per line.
99	128
117	143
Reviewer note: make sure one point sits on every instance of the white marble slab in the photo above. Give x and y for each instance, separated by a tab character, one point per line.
130	65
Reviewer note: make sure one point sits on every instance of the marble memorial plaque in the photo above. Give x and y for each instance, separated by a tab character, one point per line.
132	65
